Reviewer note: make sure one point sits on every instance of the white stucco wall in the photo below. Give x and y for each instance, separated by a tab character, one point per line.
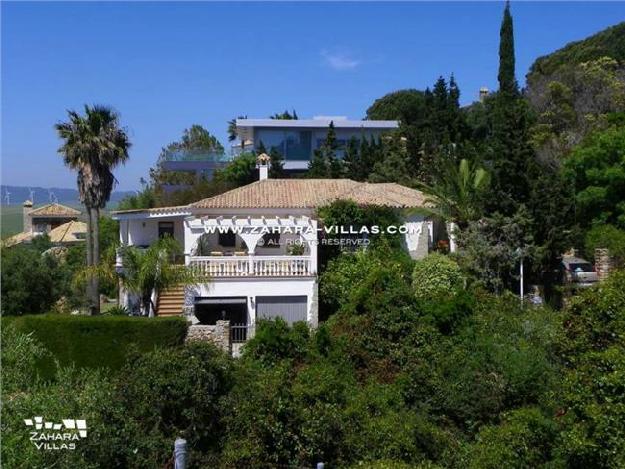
419	238
145	232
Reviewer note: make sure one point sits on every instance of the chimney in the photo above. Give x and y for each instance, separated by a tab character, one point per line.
263	161
483	93
28	222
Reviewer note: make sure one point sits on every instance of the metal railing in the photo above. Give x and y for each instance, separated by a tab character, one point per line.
195	155
259	266
239	333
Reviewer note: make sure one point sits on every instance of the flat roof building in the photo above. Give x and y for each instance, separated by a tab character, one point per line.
297	139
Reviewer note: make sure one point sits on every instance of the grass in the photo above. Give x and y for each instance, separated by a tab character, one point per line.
97	341
11	220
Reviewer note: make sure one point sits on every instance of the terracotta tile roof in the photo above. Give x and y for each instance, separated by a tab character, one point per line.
313	193
70	232
54	210
18	238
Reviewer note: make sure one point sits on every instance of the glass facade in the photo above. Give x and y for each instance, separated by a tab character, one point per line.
299	144
294	145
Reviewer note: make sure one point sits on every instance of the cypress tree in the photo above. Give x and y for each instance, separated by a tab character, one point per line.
506	75
317	167
324	163
276	168
511	154
454	94
353	162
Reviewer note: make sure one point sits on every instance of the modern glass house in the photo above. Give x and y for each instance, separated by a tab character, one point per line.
297	140
196	164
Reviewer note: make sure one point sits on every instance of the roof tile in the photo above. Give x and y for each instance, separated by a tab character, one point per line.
313	193
54	210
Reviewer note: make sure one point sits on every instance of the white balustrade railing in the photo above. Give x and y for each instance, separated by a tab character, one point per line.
250	266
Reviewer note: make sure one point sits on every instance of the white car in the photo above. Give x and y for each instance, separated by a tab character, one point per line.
579	272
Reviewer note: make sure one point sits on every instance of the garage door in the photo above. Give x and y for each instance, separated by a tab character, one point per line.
289	308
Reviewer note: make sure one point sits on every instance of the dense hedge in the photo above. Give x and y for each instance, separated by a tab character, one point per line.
101	341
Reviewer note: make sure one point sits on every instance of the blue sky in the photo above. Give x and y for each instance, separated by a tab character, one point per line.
165	66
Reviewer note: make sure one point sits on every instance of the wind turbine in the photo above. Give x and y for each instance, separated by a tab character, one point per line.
7	197
52	197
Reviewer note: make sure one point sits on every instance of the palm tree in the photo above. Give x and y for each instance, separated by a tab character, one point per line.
232	128
93	144
149	272
456	195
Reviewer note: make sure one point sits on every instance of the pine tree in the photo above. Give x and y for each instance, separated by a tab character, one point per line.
352	161
330	141
276	164
261	148
506	75
325	163
317	167
454	94
391	165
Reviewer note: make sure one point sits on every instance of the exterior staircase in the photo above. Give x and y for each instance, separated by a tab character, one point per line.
170	302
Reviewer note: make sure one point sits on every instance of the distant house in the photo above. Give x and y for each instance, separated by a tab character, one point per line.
297	140
197	164
58	221
242	239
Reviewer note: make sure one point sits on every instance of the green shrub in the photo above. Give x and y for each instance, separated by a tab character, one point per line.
592	393
501	357
32	282
344	273
274	340
448	314
101	341
606	236
133	417
117	311
20	353
524	439
436	276
82	394
167	394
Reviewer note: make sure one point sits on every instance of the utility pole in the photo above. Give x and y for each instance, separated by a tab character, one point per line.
521	275
519	252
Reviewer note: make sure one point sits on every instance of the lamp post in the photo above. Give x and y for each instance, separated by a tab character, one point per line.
519	253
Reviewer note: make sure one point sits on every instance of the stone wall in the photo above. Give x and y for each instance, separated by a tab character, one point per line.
603	263
219	334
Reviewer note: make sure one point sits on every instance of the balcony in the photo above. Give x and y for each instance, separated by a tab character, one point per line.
253	266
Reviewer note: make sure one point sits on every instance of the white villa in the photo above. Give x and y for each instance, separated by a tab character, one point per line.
243	239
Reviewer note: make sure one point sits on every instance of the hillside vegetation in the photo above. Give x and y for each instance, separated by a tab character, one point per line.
608	43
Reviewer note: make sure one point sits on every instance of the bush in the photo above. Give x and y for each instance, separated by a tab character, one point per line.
167	394
524	439
20	353
449	314
83	394
501	357
274	340
344	273
101	341
592	394
606	236
32	282
117	311
435	277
